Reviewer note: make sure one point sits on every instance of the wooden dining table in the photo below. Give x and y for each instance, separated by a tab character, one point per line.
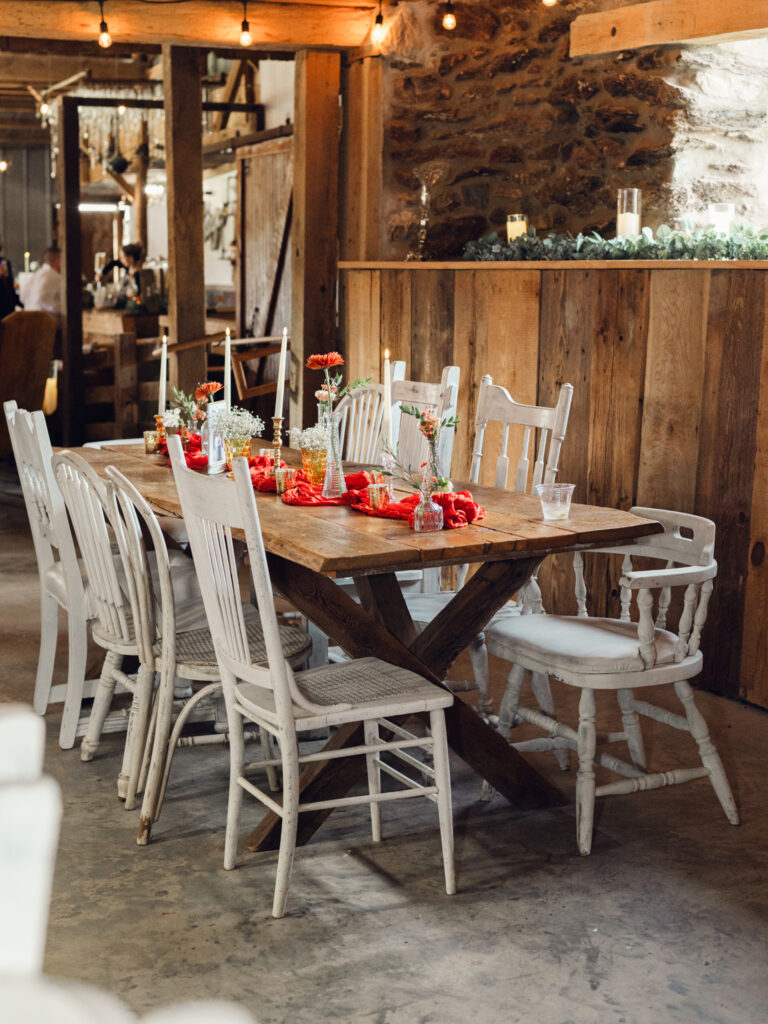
308	546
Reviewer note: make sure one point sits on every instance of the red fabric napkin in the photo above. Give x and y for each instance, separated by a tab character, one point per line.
261	472
459	508
194	456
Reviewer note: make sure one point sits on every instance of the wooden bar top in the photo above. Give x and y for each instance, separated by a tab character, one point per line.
335	541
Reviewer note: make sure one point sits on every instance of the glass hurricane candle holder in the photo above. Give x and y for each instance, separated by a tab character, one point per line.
628	208
517	225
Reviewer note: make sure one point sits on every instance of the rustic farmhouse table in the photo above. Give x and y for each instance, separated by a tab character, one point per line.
307	547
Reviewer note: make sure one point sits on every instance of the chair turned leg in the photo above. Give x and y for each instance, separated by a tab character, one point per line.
631	722
49	634
142	700
290	756
73	698
371	730
585	781
708	752
543	695
444	803
509	704
478	656
101	703
235	802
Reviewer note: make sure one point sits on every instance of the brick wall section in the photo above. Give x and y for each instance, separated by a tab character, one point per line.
522	127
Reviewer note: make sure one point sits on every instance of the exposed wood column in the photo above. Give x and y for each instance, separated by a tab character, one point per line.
362	152
183	97
71	387
140	196
315	222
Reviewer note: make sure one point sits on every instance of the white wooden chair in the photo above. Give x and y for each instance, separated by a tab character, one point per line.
622	655
173	639
285	703
361	414
495	404
61	582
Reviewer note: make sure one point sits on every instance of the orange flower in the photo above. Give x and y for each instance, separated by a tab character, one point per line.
204	391
324	361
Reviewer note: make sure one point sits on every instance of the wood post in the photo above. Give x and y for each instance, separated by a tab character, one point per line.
71	384
140	196
183	97
362	147
315	222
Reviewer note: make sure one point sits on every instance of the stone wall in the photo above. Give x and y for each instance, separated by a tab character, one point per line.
522	127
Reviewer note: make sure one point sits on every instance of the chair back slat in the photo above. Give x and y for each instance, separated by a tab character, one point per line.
86	499
361	415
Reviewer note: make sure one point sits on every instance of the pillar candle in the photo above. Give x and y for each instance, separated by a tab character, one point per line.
163	376
228	371
386	422
281	374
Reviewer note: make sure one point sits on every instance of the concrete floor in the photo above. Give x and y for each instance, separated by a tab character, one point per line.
665	922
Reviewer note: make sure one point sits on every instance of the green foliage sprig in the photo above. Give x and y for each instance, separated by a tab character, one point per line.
745	242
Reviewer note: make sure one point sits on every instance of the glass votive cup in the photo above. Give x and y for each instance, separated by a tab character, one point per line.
151	440
720	216
269	455
555	500
517	225
285	479
378	495
628	212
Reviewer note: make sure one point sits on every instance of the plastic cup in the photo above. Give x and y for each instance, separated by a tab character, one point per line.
555	500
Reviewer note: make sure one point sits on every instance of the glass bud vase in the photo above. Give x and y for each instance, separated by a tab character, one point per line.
428	515
334	485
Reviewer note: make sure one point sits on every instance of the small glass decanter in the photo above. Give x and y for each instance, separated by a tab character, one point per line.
334	485
428	515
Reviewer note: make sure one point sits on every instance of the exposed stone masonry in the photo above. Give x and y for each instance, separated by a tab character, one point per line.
522	127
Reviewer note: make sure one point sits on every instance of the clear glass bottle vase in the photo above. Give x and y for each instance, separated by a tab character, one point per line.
334	484
428	515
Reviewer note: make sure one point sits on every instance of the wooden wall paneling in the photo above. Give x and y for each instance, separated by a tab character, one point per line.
364	342
572	307
674	378
182	94
362	156
432	298
753	674
315	221
726	466
396	324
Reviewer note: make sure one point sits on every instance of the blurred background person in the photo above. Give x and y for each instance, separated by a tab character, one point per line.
8	297
42	290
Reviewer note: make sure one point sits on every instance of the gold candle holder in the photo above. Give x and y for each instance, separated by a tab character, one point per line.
277	431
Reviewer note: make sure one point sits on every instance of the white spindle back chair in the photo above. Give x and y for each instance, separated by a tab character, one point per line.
284	702
61	583
495	404
361	414
172	636
638	649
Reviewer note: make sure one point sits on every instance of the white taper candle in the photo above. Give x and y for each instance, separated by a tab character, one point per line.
281	374
163	375
228	371
386	422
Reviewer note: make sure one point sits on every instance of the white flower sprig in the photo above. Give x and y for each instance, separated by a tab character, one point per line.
312	438
172	419
237	424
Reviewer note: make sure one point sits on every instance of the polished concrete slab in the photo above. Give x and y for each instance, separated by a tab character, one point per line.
664	924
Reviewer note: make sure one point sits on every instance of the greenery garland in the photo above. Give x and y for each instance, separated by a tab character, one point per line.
744	243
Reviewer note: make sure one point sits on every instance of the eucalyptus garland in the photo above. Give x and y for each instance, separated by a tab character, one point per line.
745	242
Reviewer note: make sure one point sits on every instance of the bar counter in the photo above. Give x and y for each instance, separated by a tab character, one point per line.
669	361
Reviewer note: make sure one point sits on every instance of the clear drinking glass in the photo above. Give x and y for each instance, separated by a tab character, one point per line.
378	495
555	500
628	209
720	216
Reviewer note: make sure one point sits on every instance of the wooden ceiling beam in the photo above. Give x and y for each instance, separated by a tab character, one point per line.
199	23
663	22
42	71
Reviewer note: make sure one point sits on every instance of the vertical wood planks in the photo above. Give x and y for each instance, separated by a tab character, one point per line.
735	335
362	312
432	295
754	653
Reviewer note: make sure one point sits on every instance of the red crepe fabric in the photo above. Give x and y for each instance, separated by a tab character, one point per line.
194	456
459	508
261	470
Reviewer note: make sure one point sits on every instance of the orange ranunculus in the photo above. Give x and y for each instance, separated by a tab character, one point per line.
204	391
324	361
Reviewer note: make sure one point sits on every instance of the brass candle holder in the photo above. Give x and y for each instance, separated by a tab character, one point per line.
277	432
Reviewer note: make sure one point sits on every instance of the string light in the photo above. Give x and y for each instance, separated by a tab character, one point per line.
449	18
378	31
245	35
549	3
105	39
44	108
3	166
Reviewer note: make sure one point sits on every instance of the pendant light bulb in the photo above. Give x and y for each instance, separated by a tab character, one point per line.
549	3
245	29
3	166
449	18
378	31
105	39
44	108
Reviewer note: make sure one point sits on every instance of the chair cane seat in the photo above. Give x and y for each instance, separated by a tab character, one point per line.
575	645
195	648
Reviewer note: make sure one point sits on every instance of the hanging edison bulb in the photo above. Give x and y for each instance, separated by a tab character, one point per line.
549	3
105	39
449	18
378	31
245	29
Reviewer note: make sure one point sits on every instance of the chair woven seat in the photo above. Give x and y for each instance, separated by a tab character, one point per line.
195	648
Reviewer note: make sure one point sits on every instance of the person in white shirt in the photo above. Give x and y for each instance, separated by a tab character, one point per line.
43	289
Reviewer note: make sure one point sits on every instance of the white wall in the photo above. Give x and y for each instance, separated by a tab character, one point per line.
276	91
